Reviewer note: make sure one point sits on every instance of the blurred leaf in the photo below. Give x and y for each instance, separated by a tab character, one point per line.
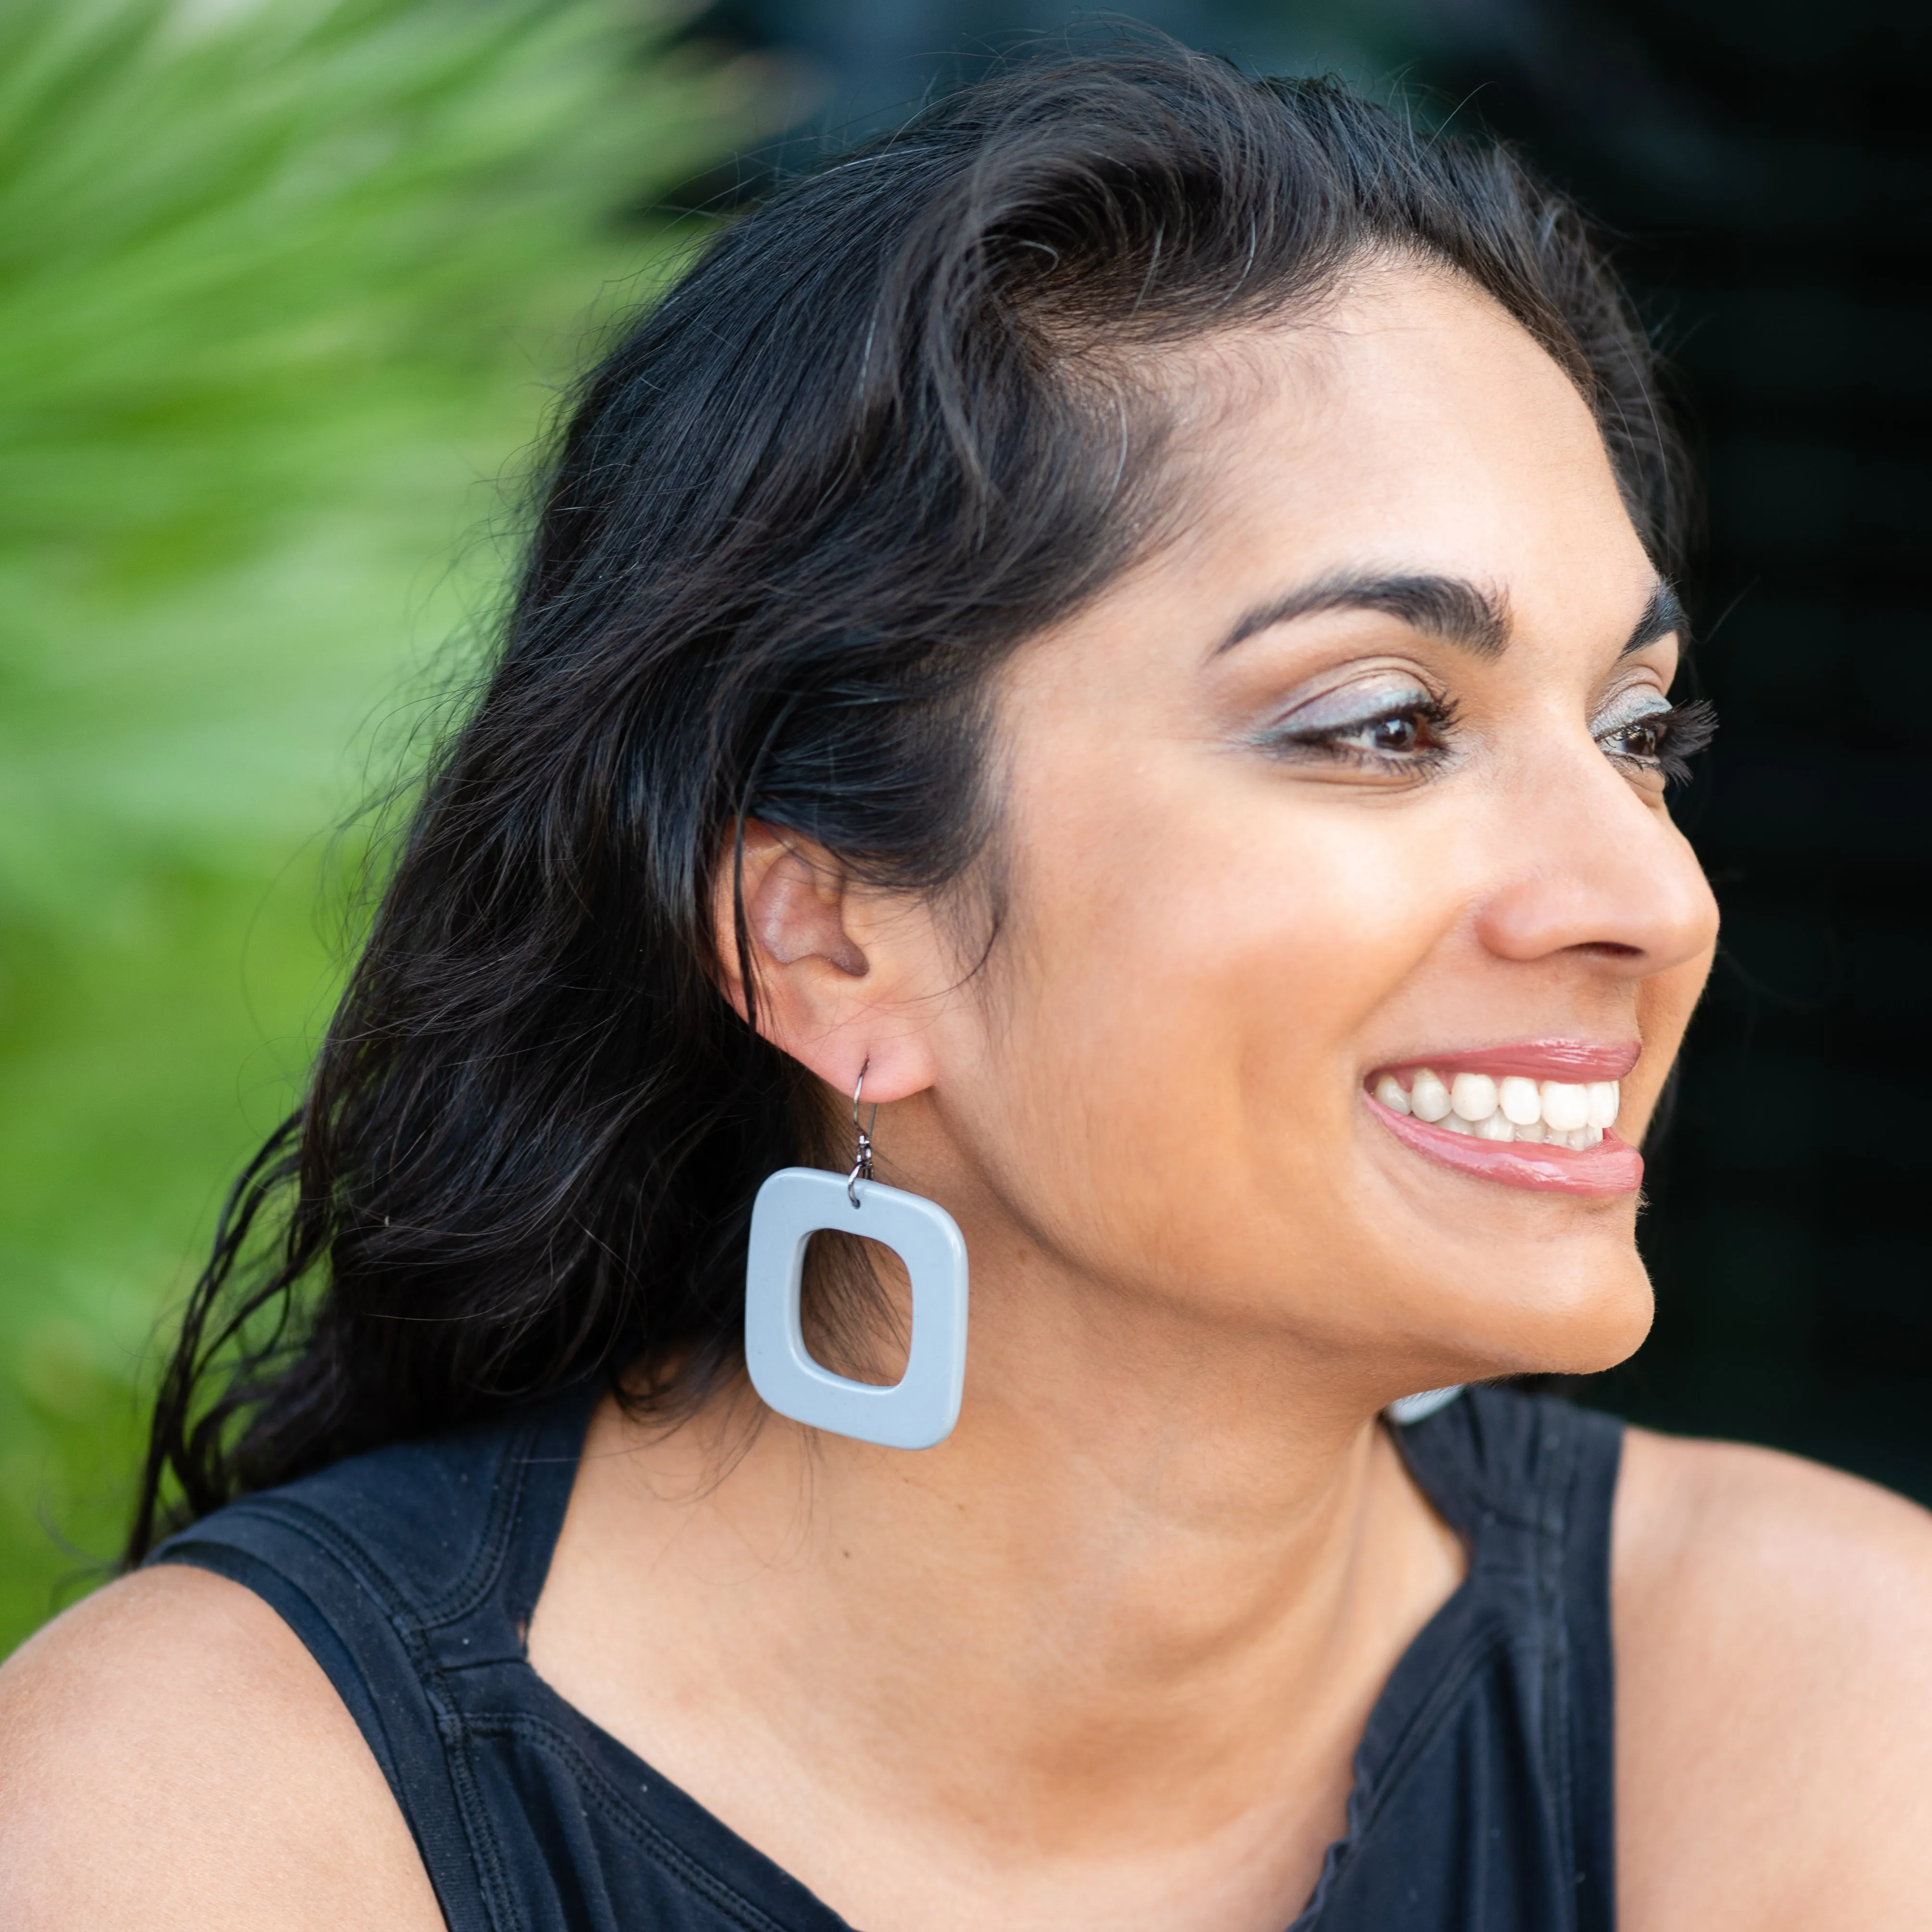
287	288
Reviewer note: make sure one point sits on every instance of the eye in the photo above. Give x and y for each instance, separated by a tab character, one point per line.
1641	738
1660	737
1402	734
1398	731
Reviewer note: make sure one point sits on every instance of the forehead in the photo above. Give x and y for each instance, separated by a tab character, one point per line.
1411	420
1412	430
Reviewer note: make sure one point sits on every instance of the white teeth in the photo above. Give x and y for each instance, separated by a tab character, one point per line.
1388	1091
1428	1098
1520	1101
1554	1113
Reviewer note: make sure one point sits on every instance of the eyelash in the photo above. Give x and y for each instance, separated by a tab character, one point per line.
1681	732
1438	716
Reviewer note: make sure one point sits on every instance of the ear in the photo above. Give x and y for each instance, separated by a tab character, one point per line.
839	984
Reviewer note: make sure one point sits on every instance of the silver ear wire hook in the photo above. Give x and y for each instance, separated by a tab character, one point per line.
794	1204
862	1163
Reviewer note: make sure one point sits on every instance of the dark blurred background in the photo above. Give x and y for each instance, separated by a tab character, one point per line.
288	287
1766	166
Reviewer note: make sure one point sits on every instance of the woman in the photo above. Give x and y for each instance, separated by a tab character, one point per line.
1128	631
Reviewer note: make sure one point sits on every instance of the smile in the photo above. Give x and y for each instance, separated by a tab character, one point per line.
1493	1117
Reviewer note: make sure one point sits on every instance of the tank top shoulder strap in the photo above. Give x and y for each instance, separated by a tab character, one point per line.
1496	1455
1483	1782
395	1567
1488	1762
1530	1483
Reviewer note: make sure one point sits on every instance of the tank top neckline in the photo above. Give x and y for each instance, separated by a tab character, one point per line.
1482	1789
1426	1679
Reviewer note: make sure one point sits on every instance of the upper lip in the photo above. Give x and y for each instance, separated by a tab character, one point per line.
1556	1059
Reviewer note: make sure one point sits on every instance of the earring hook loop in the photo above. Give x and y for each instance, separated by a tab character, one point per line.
862	1163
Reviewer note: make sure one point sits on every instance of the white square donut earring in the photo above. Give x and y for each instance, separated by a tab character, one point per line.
1406	1411
919	1410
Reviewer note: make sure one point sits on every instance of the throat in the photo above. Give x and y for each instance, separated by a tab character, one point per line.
1004	1691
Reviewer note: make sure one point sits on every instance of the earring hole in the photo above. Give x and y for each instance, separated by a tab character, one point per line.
856	1308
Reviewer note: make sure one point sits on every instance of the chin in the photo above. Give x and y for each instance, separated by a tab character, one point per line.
1576	1323
1595	1324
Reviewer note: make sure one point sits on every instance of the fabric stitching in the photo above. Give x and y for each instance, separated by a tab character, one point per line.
498	1893
353	1556
1436	1711
1561	1483
618	1811
506	1502
1439	1708
510	1473
1557	1430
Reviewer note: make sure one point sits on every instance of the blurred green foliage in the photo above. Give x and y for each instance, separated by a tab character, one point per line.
286	289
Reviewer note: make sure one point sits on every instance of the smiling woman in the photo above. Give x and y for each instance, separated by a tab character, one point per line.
1127	630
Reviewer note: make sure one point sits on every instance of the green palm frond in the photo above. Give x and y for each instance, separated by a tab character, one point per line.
213	218
285	285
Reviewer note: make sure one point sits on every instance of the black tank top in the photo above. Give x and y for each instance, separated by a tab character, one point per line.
1483	1785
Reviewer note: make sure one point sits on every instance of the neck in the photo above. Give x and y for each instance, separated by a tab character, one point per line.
1146	1590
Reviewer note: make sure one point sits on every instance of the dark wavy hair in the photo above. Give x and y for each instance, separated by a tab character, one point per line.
887	427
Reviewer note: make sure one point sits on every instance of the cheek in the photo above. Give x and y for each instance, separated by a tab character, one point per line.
1194	968
1664	1004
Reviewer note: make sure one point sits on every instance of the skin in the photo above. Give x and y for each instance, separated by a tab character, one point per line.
1103	1658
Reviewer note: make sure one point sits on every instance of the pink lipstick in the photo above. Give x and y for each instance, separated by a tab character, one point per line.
1535	1114
1611	1167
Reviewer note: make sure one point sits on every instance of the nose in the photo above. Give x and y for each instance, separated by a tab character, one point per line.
1589	865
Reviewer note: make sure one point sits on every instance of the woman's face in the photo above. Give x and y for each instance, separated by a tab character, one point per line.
1350	781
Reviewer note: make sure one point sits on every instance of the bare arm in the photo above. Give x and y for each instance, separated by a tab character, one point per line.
1774	1628
172	1757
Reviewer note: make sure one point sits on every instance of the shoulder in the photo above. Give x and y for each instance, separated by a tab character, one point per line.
1774	1634
171	1755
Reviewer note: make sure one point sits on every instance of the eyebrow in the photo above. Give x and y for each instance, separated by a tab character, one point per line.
1449	608
1662	616
1452	608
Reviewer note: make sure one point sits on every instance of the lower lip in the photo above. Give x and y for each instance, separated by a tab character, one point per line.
1613	1167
